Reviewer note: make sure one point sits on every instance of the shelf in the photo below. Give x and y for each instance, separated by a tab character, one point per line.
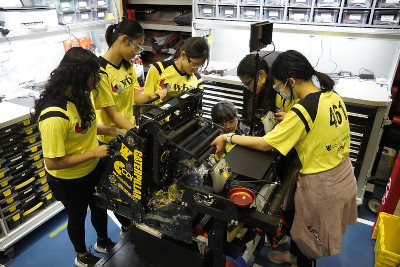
57	29
161	2
28	226
169	51
376	31
164	26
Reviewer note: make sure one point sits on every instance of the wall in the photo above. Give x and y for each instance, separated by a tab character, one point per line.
335	53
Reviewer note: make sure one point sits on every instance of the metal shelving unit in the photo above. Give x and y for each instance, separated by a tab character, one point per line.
211	10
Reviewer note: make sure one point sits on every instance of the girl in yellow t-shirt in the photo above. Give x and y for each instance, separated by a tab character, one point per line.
67	124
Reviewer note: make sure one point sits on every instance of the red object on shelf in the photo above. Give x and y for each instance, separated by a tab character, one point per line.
131	14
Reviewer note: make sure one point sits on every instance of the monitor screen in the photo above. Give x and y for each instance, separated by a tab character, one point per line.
260	35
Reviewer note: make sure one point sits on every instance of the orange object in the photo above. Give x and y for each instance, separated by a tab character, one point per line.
242	197
85	42
71	43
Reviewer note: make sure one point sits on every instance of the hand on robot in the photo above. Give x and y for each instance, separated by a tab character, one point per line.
161	93
101	151
279	116
220	143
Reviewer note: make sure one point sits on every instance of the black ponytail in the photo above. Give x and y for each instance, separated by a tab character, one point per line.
131	28
293	64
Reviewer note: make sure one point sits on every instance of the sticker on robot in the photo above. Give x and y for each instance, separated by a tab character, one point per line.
269	121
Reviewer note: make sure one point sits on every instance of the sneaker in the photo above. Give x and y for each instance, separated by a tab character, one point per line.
279	257
104	245
88	260
124	232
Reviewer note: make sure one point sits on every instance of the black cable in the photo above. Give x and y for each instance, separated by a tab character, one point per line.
270	52
322	52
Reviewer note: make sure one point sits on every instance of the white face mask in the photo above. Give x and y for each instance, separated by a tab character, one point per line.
285	96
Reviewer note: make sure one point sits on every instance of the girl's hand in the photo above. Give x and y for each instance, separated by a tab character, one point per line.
161	93
220	143
280	116
101	151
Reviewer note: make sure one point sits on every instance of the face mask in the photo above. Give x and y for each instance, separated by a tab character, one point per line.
285	96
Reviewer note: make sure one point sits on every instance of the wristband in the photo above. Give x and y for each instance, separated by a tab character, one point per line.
229	138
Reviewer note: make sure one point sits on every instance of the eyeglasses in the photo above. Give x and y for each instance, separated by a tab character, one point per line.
228	123
194	65
247	84
138	49
277	85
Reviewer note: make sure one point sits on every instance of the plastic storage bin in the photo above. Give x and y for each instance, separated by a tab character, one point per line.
207	11
299	15
328	3
388	3
66	5
326	15
273	14
228	12
84	5
206	1
358	3
386	17
250	2
274	2
99	14
387	246
100	4
228	2
300	2
85	16
355	16
251	13
13	220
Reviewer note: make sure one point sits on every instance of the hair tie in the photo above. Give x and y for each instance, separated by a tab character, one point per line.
315	81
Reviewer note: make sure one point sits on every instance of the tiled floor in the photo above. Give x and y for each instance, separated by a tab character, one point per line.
49	246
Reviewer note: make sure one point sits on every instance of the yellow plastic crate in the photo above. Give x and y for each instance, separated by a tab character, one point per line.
387	235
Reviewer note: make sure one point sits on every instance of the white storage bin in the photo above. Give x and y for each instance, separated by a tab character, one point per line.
206	11
228	12
100	3
388	3
99	14
250	2
358	3
228	2
386	17
206	1
300	2
355	16
66	5
250	13
326	15
273	14
85	16
274	2
329	3
83	5
299	15
67	17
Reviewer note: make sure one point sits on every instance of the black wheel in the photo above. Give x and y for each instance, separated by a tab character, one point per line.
373	204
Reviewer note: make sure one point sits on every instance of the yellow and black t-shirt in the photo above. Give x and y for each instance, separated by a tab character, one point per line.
318	128
62	134
166	75
284	105
116	88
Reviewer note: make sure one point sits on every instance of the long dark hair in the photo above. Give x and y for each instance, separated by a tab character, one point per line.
128	27
293	64
74	70
194	47
266	98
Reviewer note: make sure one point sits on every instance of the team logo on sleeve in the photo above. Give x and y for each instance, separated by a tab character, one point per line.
79	129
